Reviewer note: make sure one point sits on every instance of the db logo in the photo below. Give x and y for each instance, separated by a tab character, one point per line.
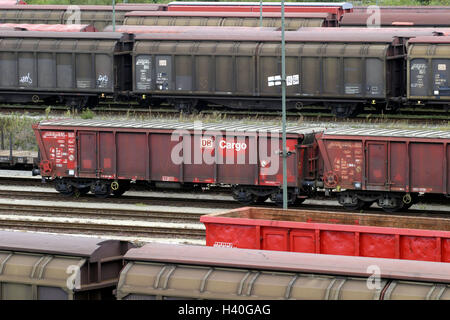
207	143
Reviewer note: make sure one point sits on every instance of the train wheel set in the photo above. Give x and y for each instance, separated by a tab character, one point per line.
194	56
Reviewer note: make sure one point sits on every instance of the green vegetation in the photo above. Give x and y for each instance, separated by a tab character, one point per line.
87	114
19	126
355	3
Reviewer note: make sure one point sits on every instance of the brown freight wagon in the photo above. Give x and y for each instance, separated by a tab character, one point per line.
105	156
72	68
163	271
429	71
390	167
293	21
36	266
344	72
99	16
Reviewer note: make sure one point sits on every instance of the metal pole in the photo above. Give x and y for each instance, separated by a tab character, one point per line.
283	106
260	14
114	15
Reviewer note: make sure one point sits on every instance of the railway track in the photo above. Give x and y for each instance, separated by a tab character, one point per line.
432	116
210	200
149	223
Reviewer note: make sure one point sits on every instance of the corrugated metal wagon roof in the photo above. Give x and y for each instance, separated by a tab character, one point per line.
389	133
175	125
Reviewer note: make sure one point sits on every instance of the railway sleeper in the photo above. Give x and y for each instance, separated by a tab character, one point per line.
389	202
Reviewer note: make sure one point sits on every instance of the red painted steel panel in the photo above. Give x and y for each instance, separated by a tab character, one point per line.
131	155
162	167
347	161
426	167
397	166
376	163
232	236
337	242
418	248
275	239
377	245
107	156
87	147
302	241
290	230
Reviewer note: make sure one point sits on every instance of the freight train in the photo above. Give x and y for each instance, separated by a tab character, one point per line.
60	267
346	71
392	168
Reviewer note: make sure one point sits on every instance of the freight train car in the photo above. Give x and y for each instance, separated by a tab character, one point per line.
56	267
105	156
429	71
389	167
159	271
71	67
293	21
50	27
342	71
396	18
392	168
99	16
337	8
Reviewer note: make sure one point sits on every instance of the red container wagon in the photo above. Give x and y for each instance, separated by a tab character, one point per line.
105	156
365	235
390	167
51	27
337	8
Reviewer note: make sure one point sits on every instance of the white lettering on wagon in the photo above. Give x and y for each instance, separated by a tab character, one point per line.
26	79
212	147
102	81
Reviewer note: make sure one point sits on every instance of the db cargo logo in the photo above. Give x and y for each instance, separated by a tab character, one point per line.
238	146
207	143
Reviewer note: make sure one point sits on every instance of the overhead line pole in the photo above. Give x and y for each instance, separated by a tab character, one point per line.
260	13
283	106
114	15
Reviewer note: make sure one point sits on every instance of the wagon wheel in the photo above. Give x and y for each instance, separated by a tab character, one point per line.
243	196
292	200
101	189
345	110
64	188
261	199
